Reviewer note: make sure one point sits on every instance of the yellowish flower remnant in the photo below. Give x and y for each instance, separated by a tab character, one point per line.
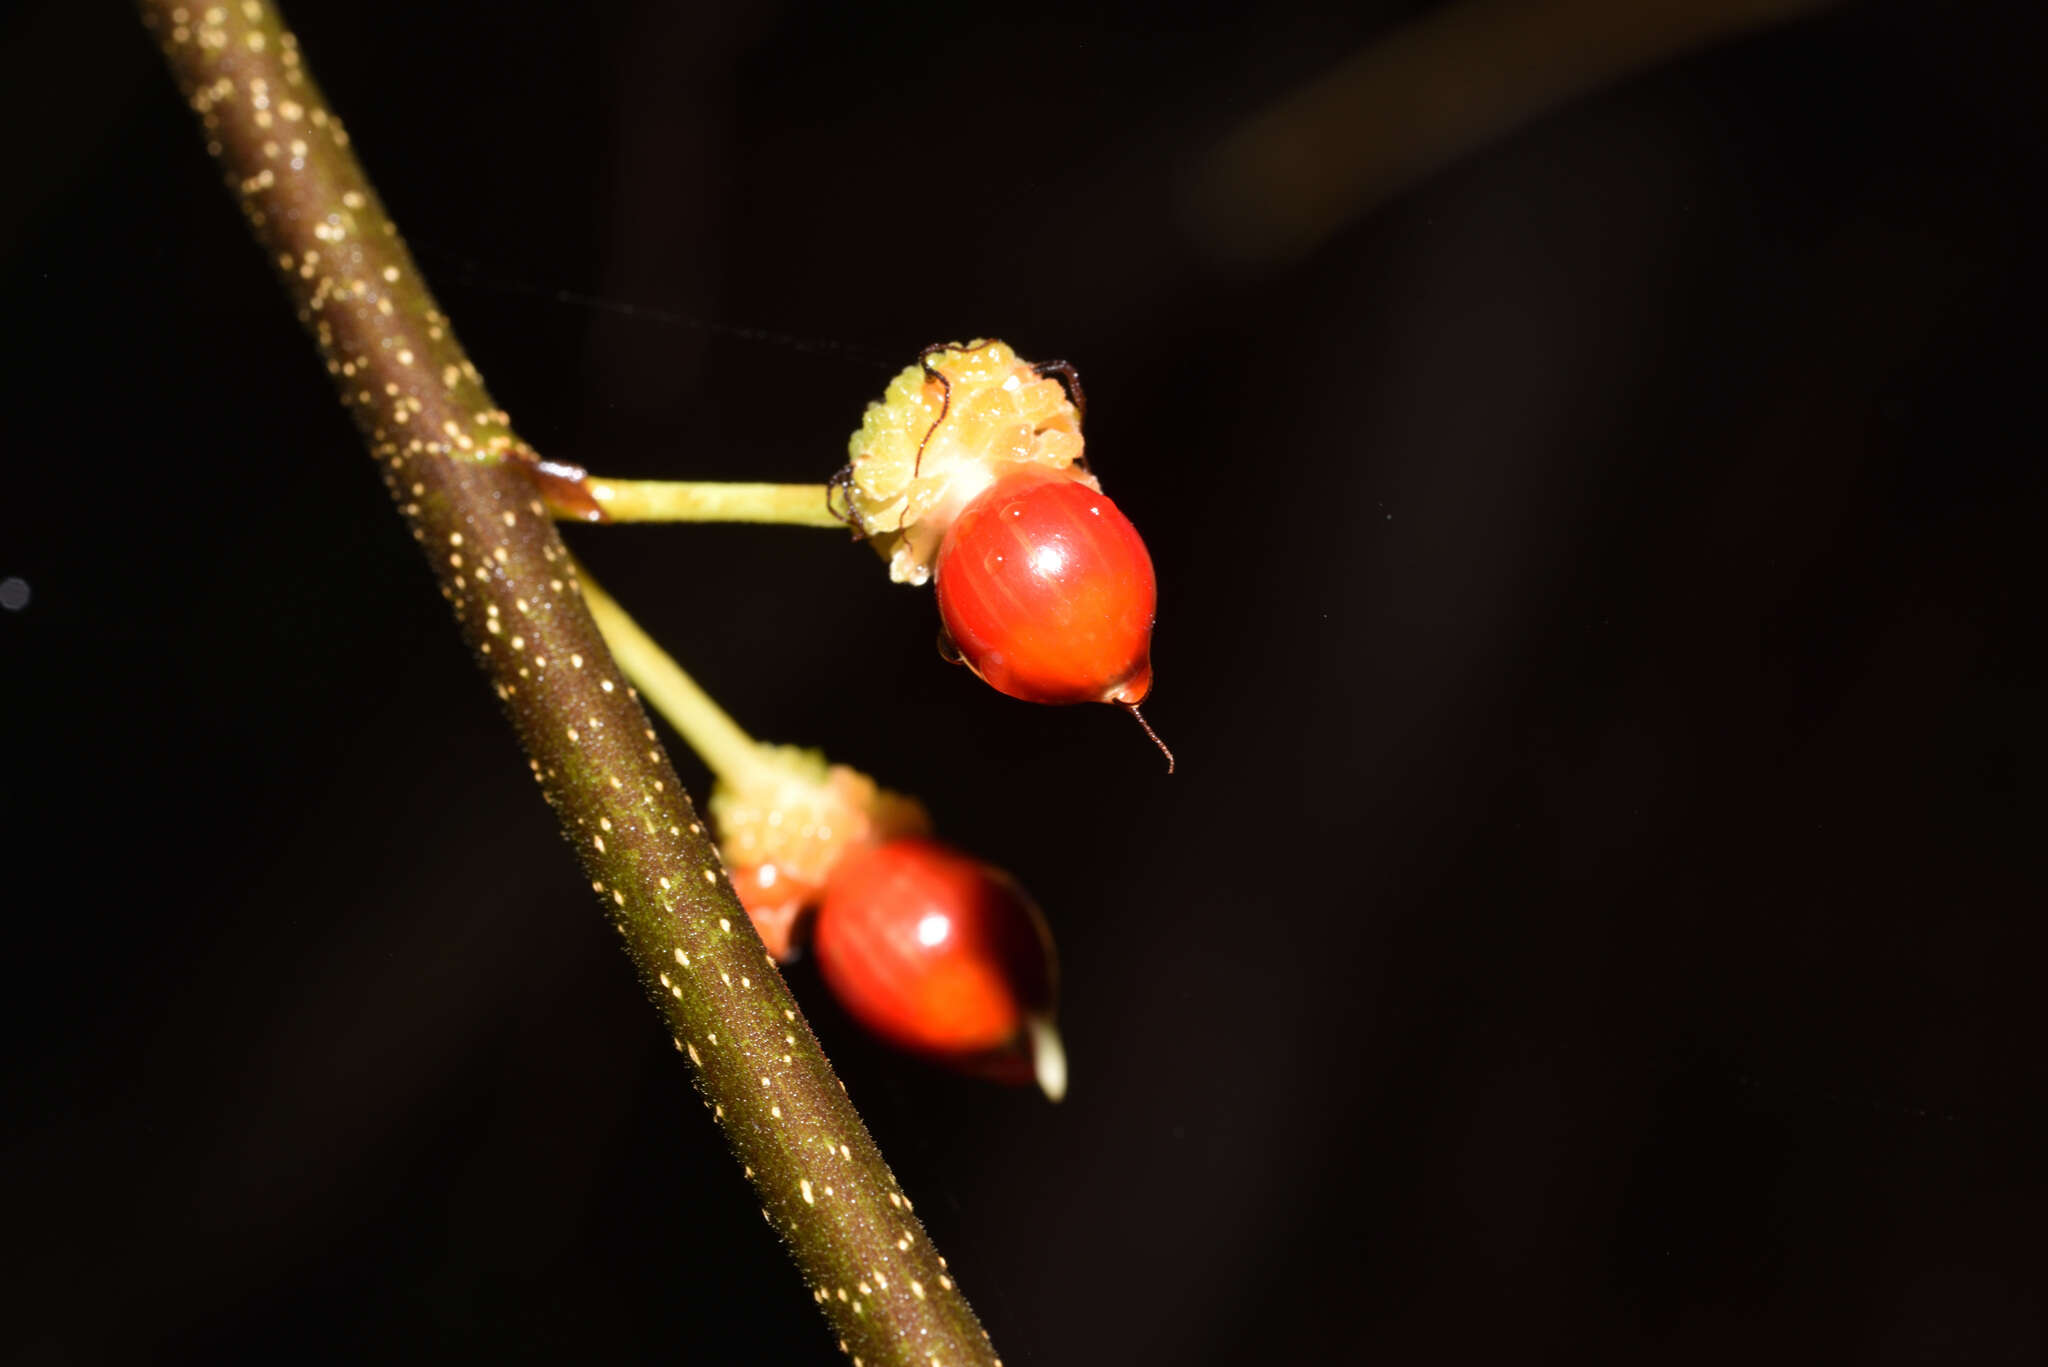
912	471
784	824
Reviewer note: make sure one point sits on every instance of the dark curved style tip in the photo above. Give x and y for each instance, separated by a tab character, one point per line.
1139	717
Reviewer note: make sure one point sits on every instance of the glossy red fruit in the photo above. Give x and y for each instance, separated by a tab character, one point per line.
1047	592
942	954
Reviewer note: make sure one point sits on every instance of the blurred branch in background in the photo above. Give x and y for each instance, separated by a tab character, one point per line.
1464	73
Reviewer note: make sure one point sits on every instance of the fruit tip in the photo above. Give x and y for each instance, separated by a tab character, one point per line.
1139	717
1048	1057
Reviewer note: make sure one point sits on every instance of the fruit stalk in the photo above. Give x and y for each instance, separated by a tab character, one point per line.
674	500
445	450
726	749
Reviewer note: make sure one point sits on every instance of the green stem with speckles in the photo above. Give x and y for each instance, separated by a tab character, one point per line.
667	500
442	444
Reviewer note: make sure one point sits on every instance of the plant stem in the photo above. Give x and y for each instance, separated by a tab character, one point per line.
729	752
665	500
442	444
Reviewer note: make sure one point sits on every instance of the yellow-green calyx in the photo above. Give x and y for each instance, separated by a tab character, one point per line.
939	436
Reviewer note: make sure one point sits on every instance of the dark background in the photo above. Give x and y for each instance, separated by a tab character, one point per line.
1598	914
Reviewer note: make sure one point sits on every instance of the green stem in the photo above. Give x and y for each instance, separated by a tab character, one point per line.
475	504
729	752
665	500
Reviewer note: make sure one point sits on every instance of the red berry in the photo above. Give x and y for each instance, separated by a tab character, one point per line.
944	955
1047	592
775	902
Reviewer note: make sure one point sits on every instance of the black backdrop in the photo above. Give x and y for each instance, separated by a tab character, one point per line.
1596	916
